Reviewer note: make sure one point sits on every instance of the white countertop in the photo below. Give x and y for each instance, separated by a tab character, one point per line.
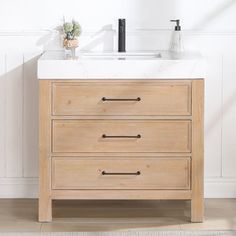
57	65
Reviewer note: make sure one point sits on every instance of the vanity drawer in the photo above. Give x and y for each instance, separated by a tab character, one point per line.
107	173
74	136
119	99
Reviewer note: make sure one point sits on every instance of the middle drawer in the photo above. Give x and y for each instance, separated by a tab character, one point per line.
74	136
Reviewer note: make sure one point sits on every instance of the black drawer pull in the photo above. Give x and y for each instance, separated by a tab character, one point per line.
121	136
120	173
121	99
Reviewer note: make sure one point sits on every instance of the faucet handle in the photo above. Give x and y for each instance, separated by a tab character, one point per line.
122	22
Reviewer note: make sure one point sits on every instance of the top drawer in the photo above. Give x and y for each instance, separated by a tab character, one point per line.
121	98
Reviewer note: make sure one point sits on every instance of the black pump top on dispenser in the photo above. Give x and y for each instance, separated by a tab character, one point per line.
177	27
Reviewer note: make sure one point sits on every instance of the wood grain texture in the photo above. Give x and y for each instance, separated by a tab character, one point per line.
86	136
156	98
104	117
155	173
122	194
197	202
122	155
45	202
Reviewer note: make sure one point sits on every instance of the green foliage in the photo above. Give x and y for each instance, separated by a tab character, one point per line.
72	29
68	27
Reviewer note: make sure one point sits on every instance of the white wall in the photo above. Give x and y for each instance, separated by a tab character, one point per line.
45	14
209	26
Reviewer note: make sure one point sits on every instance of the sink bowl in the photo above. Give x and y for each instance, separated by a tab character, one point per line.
120	56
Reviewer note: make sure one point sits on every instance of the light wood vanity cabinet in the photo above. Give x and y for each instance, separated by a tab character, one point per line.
121	139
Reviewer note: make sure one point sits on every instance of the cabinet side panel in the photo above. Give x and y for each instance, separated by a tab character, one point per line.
45	203
197	203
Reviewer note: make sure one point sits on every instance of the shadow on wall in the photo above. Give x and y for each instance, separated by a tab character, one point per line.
30	109
214	14
102	40
140	15
19	116
50	41
11	158
148	23
228	104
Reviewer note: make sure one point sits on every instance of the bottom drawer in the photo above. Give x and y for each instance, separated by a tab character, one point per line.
127	173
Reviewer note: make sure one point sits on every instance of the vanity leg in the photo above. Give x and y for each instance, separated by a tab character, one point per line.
197	201
197	210
45	200
45	210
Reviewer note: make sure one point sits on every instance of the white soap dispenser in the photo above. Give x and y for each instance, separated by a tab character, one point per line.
177	40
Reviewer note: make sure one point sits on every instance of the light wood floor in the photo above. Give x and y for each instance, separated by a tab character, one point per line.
21	215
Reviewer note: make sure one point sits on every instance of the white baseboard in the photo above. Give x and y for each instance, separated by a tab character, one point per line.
18	187
220	188
28	188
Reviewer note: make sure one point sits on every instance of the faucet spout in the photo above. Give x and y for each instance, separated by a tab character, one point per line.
121	36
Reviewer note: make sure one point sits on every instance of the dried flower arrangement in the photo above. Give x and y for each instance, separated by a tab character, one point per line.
71	31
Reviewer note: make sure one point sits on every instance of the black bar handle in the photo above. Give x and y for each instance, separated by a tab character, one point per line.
104	99
121	136
120	173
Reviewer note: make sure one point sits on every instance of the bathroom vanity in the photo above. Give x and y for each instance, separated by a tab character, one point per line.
121	127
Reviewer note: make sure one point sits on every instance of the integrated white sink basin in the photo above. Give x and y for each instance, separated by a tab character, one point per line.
120	56
113	65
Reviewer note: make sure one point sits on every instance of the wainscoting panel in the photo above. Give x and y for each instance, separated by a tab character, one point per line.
229	116
213	115
14	114
2	114
30	116
19	105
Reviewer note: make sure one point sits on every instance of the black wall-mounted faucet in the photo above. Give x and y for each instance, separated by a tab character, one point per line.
121	35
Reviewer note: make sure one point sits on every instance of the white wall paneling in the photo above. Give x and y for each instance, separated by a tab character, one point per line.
30	116
19	111
14	114
18	124
213	115
229	116
19	187
209	26
220	187
2	114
